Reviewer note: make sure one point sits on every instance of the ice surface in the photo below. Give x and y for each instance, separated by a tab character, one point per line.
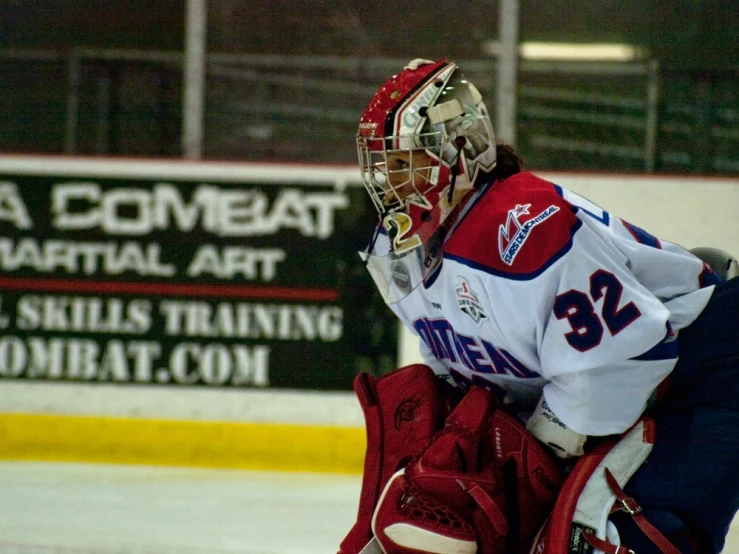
50	508
77	508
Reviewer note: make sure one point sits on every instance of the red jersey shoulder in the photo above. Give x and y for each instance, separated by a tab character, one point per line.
518	227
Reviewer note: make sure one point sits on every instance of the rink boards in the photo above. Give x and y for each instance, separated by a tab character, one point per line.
255	425
246	429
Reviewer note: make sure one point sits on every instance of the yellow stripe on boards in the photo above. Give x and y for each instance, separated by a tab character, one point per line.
63	438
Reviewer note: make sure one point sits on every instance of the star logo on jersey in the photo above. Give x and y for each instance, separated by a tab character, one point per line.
513	235
520	210
468	301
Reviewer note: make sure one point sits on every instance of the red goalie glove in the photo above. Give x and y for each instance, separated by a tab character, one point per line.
533	477
451	498
484	485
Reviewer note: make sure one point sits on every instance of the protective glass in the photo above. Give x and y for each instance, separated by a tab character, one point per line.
397	275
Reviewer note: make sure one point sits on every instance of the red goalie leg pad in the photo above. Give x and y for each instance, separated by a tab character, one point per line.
403	411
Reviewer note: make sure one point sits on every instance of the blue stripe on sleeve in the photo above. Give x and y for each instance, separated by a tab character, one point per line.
642	236
709	277
664	350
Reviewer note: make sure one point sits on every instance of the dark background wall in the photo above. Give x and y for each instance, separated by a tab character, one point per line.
262	111
60	24
684	33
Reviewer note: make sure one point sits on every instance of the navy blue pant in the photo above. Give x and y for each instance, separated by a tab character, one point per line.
690	482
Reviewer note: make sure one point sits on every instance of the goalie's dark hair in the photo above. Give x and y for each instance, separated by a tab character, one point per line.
508	162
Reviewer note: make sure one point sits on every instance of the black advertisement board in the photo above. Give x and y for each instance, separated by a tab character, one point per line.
187	283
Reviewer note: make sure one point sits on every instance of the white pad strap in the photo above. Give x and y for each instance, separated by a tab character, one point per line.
597	498
445	112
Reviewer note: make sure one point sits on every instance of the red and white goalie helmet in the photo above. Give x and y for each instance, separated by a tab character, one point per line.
426	108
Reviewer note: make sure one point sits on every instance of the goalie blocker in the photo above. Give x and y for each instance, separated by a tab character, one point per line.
447	473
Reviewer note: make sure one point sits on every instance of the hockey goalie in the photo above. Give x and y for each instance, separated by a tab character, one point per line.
595	364
456	473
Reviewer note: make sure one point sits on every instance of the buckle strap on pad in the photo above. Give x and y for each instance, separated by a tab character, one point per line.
631	507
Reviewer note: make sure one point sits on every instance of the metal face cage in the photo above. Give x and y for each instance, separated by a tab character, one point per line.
398	176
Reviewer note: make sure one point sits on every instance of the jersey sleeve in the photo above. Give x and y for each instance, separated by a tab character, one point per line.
606	342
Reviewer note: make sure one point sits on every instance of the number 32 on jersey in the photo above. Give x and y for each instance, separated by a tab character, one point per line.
577	307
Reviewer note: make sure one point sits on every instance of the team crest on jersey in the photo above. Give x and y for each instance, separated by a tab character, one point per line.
468	301
513	235
401	277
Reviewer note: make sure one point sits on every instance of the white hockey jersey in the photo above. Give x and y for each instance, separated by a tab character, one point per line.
538	290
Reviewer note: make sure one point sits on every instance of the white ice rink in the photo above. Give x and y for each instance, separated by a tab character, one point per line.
96	509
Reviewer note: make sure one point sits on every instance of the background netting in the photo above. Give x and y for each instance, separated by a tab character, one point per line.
287	80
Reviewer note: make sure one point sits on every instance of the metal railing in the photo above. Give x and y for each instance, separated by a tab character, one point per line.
570	115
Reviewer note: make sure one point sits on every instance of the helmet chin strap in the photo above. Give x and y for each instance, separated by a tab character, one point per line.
459	142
